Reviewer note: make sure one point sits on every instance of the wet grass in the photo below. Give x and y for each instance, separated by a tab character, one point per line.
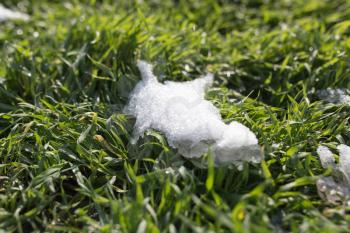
66	164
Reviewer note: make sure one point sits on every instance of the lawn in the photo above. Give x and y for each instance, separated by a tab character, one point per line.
66	161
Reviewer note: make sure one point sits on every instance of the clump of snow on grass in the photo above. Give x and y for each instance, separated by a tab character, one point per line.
190	123
7	14
336	188
335	96
332	192
326	157
344	161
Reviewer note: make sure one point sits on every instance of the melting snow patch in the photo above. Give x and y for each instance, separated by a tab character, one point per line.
190	123
335	189
7	14
335	96
331	191
344	162
326	157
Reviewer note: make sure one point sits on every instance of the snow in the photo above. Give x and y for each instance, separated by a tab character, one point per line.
335	189
190	123
344	161
335	96
332	191
326	157
7	14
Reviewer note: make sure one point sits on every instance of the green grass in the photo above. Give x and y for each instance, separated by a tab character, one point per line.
66	164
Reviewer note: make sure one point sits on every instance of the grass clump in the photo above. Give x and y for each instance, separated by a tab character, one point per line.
66	164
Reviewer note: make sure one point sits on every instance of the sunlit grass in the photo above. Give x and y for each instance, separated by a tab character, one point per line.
66	163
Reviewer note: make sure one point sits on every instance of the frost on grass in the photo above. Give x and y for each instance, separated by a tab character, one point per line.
7	14
190	123
336	188
335	96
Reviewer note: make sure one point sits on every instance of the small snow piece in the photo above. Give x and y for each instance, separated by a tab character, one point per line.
336	188
335	96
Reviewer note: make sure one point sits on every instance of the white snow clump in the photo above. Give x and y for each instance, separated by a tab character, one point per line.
336	188
190	123
335	96
344	161
7	14
326	157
